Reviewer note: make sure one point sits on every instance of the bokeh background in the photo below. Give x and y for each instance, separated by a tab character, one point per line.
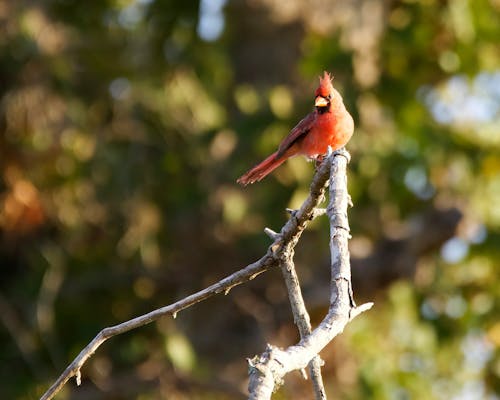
125	124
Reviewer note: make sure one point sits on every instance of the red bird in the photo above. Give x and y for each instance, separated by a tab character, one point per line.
328	125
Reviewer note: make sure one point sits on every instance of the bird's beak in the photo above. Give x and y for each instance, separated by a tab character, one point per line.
320	101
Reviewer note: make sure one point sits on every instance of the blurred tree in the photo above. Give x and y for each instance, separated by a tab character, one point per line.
124	125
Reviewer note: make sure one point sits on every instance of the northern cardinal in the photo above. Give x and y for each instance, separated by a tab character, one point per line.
328	125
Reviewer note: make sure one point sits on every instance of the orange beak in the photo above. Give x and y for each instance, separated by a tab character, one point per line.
320	101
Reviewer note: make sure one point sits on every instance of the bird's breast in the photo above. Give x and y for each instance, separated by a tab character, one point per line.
327	130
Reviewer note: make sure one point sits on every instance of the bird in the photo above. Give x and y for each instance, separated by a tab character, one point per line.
329	125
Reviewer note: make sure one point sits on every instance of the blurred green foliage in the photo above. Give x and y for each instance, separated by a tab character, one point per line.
125	124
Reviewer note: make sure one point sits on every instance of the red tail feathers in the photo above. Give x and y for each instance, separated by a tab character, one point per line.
262	170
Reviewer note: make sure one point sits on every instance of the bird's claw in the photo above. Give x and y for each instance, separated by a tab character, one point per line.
317	162
343	152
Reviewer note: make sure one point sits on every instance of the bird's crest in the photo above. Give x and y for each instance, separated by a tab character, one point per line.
325	85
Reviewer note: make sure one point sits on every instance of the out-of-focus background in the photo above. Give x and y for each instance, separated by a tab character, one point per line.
124	127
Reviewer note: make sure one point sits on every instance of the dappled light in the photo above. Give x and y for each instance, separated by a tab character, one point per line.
125	125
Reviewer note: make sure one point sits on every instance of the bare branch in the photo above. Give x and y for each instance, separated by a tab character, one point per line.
268	369
288	235
300	314
223	286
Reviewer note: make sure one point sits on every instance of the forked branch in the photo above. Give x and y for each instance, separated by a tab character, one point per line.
268	369
288	235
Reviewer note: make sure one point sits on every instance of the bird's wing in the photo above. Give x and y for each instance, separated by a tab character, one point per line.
297	133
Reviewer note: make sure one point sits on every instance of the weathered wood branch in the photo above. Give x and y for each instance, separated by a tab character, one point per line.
299	310
289	234
268	369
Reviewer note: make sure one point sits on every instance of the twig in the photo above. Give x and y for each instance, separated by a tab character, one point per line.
223	286
290	233
268	369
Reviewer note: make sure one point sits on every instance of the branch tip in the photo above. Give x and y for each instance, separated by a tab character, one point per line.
355	311
349	201
272	234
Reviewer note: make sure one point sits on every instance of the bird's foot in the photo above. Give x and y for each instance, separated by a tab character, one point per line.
343	152
317	162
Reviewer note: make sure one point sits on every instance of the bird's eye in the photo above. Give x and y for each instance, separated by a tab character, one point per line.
329	97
